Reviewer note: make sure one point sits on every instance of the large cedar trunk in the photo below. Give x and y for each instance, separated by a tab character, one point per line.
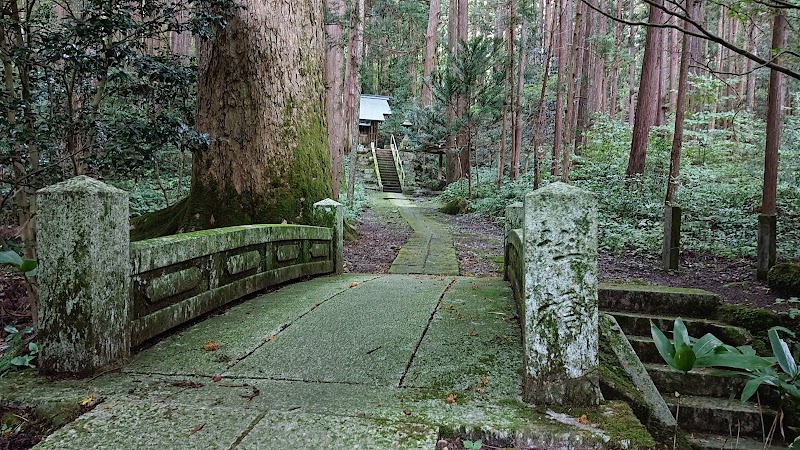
261	99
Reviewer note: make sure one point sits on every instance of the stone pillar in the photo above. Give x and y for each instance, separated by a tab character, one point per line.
671	251
515	214
330	213
766	254
560	318
84	276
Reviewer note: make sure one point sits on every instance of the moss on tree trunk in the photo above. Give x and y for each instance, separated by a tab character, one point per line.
261	100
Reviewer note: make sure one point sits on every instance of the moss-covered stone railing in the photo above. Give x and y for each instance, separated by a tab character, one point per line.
177	278
101	295
551	262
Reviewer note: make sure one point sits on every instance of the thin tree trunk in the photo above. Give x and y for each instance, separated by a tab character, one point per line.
572	85
540	106
614	82
335	89
775	94
430	53
750	80
356	55
648	101
632	66
559	106
680	112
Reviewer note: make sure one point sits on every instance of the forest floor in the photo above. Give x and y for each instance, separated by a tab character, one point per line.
479	247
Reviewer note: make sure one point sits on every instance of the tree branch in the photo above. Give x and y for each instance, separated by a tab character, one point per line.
702	33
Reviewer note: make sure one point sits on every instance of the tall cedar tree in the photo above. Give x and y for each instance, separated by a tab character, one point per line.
261	99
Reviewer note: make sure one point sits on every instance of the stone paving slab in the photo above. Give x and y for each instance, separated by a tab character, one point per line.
307	431
241	330
473	342
366	337
430	249
144	425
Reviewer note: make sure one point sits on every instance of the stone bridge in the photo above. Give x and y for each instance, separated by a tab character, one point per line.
382	361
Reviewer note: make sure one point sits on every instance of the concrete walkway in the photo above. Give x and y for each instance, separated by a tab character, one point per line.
430	249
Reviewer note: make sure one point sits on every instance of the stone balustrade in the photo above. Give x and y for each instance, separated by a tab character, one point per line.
551	262
101	295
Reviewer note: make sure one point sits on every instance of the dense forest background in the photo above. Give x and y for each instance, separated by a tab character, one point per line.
501	97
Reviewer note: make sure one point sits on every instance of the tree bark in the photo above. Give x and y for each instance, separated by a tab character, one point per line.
648	101
559	106
355	58
572	85
261	100
430	53
631	66
334	89
775	93
680	111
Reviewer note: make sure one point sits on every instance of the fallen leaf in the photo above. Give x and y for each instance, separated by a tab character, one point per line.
484	380
271	338
88	400
211	346
451	398
583	420
474	286
458	315
216	378
473	333
353	284
406	412
197	428
481	390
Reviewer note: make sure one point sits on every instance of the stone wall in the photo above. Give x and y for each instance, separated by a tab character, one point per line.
101	295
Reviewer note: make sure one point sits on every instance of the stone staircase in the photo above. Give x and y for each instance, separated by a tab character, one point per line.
707	405
388	171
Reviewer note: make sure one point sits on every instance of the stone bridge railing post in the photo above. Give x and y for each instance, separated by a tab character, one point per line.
330	213
84	276
515	215
560	297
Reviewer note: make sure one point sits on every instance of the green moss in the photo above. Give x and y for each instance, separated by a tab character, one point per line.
785	278
455	206
617	421
756	320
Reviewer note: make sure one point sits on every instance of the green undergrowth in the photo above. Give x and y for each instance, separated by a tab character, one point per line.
720	191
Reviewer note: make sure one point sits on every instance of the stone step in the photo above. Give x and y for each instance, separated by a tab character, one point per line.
658	300
639	324
700	382
716	415
645	349
702	441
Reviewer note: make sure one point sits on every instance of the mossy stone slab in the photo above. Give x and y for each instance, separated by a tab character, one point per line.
293	430
430	249
240	330
123	425
366	335
473	343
